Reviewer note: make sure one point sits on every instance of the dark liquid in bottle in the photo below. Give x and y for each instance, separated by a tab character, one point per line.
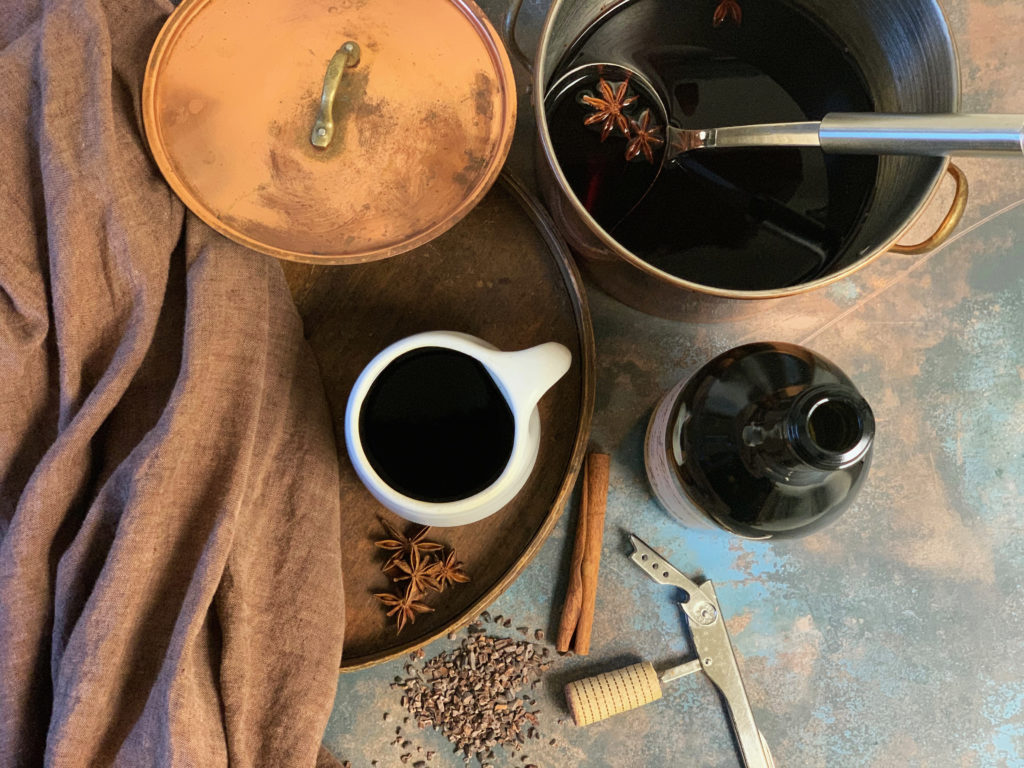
435	426
746	219
764	486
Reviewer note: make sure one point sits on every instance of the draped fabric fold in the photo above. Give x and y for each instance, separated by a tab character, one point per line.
170	566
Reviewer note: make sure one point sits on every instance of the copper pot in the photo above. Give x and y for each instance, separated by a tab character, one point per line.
906	52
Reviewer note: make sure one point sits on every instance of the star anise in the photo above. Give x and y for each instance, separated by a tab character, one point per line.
403	546
645	138
728	9
419	572
609	109
448	571
403	607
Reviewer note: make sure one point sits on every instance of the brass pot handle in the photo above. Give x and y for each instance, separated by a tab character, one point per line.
952	220
323	128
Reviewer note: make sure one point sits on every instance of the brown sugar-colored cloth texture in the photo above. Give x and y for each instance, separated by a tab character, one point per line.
170	567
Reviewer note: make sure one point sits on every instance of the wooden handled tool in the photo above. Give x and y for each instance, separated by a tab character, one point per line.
600	697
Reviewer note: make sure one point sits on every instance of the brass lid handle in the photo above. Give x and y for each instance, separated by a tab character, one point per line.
323	128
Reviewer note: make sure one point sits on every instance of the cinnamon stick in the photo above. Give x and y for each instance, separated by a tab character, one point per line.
574	592
598	466
578	609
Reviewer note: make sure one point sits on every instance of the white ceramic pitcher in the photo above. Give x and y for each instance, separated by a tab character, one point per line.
522	377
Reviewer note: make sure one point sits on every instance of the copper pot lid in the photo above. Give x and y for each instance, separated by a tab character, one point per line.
239	98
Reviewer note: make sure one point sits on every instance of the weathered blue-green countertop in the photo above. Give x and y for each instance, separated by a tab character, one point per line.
893	638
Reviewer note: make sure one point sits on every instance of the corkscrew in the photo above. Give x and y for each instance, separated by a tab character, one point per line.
599	697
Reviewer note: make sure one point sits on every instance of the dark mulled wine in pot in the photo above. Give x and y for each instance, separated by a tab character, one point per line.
743	219
435	426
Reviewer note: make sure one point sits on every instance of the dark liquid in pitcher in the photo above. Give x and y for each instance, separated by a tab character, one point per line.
435	426
746	219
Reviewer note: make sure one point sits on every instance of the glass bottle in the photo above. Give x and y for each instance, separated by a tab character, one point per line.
767	440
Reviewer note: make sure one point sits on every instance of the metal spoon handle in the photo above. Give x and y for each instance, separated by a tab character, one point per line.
922	134
872	133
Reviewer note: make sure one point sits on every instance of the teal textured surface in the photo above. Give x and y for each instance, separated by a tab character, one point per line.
892	638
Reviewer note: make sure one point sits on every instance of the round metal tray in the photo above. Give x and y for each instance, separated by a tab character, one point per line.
502	274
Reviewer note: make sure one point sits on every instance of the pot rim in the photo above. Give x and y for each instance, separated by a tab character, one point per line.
540	92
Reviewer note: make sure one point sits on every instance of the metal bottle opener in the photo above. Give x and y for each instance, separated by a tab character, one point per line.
715	656
604	695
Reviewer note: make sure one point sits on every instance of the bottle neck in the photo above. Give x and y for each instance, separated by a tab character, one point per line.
821	430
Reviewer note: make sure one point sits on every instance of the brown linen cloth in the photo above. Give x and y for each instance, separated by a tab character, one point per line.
170	567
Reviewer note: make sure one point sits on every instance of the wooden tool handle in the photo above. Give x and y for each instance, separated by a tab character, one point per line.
600	697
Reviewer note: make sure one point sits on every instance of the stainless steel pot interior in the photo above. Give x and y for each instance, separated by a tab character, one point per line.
906	53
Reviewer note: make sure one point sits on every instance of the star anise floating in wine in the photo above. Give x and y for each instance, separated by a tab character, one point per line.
645	137
728	10
423	567
610	113
609	110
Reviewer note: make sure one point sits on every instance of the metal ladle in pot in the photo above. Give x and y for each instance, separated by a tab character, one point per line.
594	107
622	101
